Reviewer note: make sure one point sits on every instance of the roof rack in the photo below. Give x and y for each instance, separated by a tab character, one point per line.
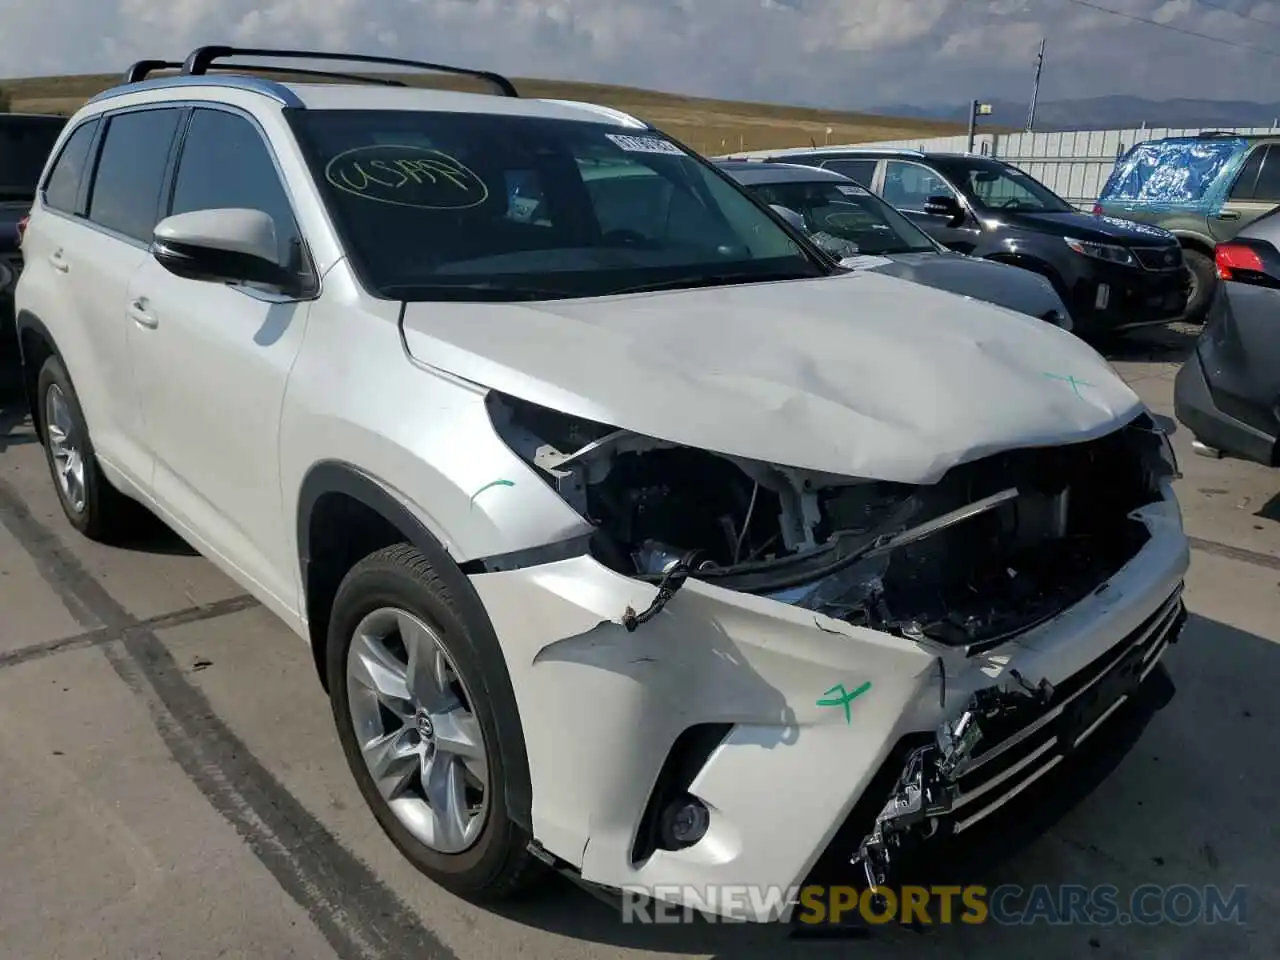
202	59
144	68
1209	134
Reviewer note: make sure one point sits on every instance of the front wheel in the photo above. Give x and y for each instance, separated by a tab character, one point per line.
408	693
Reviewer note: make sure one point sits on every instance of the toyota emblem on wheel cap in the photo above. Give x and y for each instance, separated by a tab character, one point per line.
426	729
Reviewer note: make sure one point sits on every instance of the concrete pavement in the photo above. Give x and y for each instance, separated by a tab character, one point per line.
173	786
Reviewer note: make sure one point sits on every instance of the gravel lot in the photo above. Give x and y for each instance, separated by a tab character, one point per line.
173	787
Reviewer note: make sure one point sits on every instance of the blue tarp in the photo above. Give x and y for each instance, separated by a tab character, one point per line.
1182	172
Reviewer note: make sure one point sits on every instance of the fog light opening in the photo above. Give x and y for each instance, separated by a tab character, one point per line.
684	823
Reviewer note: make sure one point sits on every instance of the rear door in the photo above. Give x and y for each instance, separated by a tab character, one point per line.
862	171
90	234
1256	191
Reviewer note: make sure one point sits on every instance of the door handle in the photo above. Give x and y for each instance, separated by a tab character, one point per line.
138	314
1227	215
59	264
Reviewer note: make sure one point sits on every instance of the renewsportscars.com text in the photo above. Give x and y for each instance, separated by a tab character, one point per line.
1057	905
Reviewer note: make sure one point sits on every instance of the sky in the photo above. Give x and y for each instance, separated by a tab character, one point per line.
835	53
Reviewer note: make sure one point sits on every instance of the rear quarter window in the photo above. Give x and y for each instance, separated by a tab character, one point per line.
1181	172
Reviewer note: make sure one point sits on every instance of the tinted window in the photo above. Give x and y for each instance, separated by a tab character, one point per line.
62	189
226	163
1001	186
845	219
489	207
1242	189
863	171
25	144
909	185
126	188
1267	189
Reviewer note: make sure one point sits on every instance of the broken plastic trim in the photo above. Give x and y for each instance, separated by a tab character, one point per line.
998	724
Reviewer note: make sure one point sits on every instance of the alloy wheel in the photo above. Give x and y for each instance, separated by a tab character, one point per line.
414	720
66	448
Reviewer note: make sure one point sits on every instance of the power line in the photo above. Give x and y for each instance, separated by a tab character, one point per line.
1236	13
1183	30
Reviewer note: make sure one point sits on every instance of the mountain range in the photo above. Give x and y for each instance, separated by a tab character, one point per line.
1104	113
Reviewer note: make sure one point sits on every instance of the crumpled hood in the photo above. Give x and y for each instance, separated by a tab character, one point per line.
856	374
998	283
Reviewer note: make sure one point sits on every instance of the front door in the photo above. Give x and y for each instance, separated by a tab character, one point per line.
908	185
1256	191
214	359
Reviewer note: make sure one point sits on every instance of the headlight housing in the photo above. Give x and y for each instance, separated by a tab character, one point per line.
1109	252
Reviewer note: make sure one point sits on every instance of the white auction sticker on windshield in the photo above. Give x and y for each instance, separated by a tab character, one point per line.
645	144
852	191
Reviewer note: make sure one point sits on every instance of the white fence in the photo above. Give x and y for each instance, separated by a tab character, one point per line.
1074	164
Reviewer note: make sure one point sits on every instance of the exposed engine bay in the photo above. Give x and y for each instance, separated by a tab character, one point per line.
994	548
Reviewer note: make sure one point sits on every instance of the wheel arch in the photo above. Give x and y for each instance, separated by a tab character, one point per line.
1194	241
1034	265
344	515
35	345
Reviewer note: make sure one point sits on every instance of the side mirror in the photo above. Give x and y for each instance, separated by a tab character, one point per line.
947	207
789	215
227	245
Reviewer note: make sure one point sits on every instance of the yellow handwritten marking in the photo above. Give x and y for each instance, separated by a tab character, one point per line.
376	175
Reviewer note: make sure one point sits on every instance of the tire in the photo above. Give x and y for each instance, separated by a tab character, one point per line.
493	860
90	503
1204	280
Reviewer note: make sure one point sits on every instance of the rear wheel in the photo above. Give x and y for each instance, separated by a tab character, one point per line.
409	699
1204	280
89	501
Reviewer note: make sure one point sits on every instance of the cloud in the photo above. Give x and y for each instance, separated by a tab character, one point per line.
840	53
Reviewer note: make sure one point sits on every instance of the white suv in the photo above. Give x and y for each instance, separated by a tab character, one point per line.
630	533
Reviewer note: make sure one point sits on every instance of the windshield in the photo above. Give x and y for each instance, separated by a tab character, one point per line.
998	186
846	219
464	206
25	144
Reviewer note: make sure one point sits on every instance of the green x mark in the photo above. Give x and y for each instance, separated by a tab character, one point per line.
844	699
1075	384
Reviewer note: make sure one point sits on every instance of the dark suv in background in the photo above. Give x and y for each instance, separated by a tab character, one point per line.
1112	274
25	142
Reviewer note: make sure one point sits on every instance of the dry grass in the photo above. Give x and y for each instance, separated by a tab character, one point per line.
709	126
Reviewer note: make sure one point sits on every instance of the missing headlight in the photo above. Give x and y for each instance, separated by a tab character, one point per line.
995	547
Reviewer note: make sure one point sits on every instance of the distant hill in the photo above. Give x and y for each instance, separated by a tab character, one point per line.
1104	113
708	126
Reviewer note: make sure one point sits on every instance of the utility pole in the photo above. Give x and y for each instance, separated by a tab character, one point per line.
1035	85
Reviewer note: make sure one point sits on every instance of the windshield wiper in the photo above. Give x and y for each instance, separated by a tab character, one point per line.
712	280
479	290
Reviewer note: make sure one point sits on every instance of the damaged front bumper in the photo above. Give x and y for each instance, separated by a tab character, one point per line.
773	720
1005	740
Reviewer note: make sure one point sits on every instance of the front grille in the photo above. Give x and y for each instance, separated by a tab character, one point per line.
1001	771
1159	258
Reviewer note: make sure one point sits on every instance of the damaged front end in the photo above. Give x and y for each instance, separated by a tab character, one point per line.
992	549
1003	741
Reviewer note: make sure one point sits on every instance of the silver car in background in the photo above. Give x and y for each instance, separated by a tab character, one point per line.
864	232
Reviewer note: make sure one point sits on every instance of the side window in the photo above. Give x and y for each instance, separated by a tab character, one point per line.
62	189
863	171
126	187
1243	187
909	185
1267	189
225	163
